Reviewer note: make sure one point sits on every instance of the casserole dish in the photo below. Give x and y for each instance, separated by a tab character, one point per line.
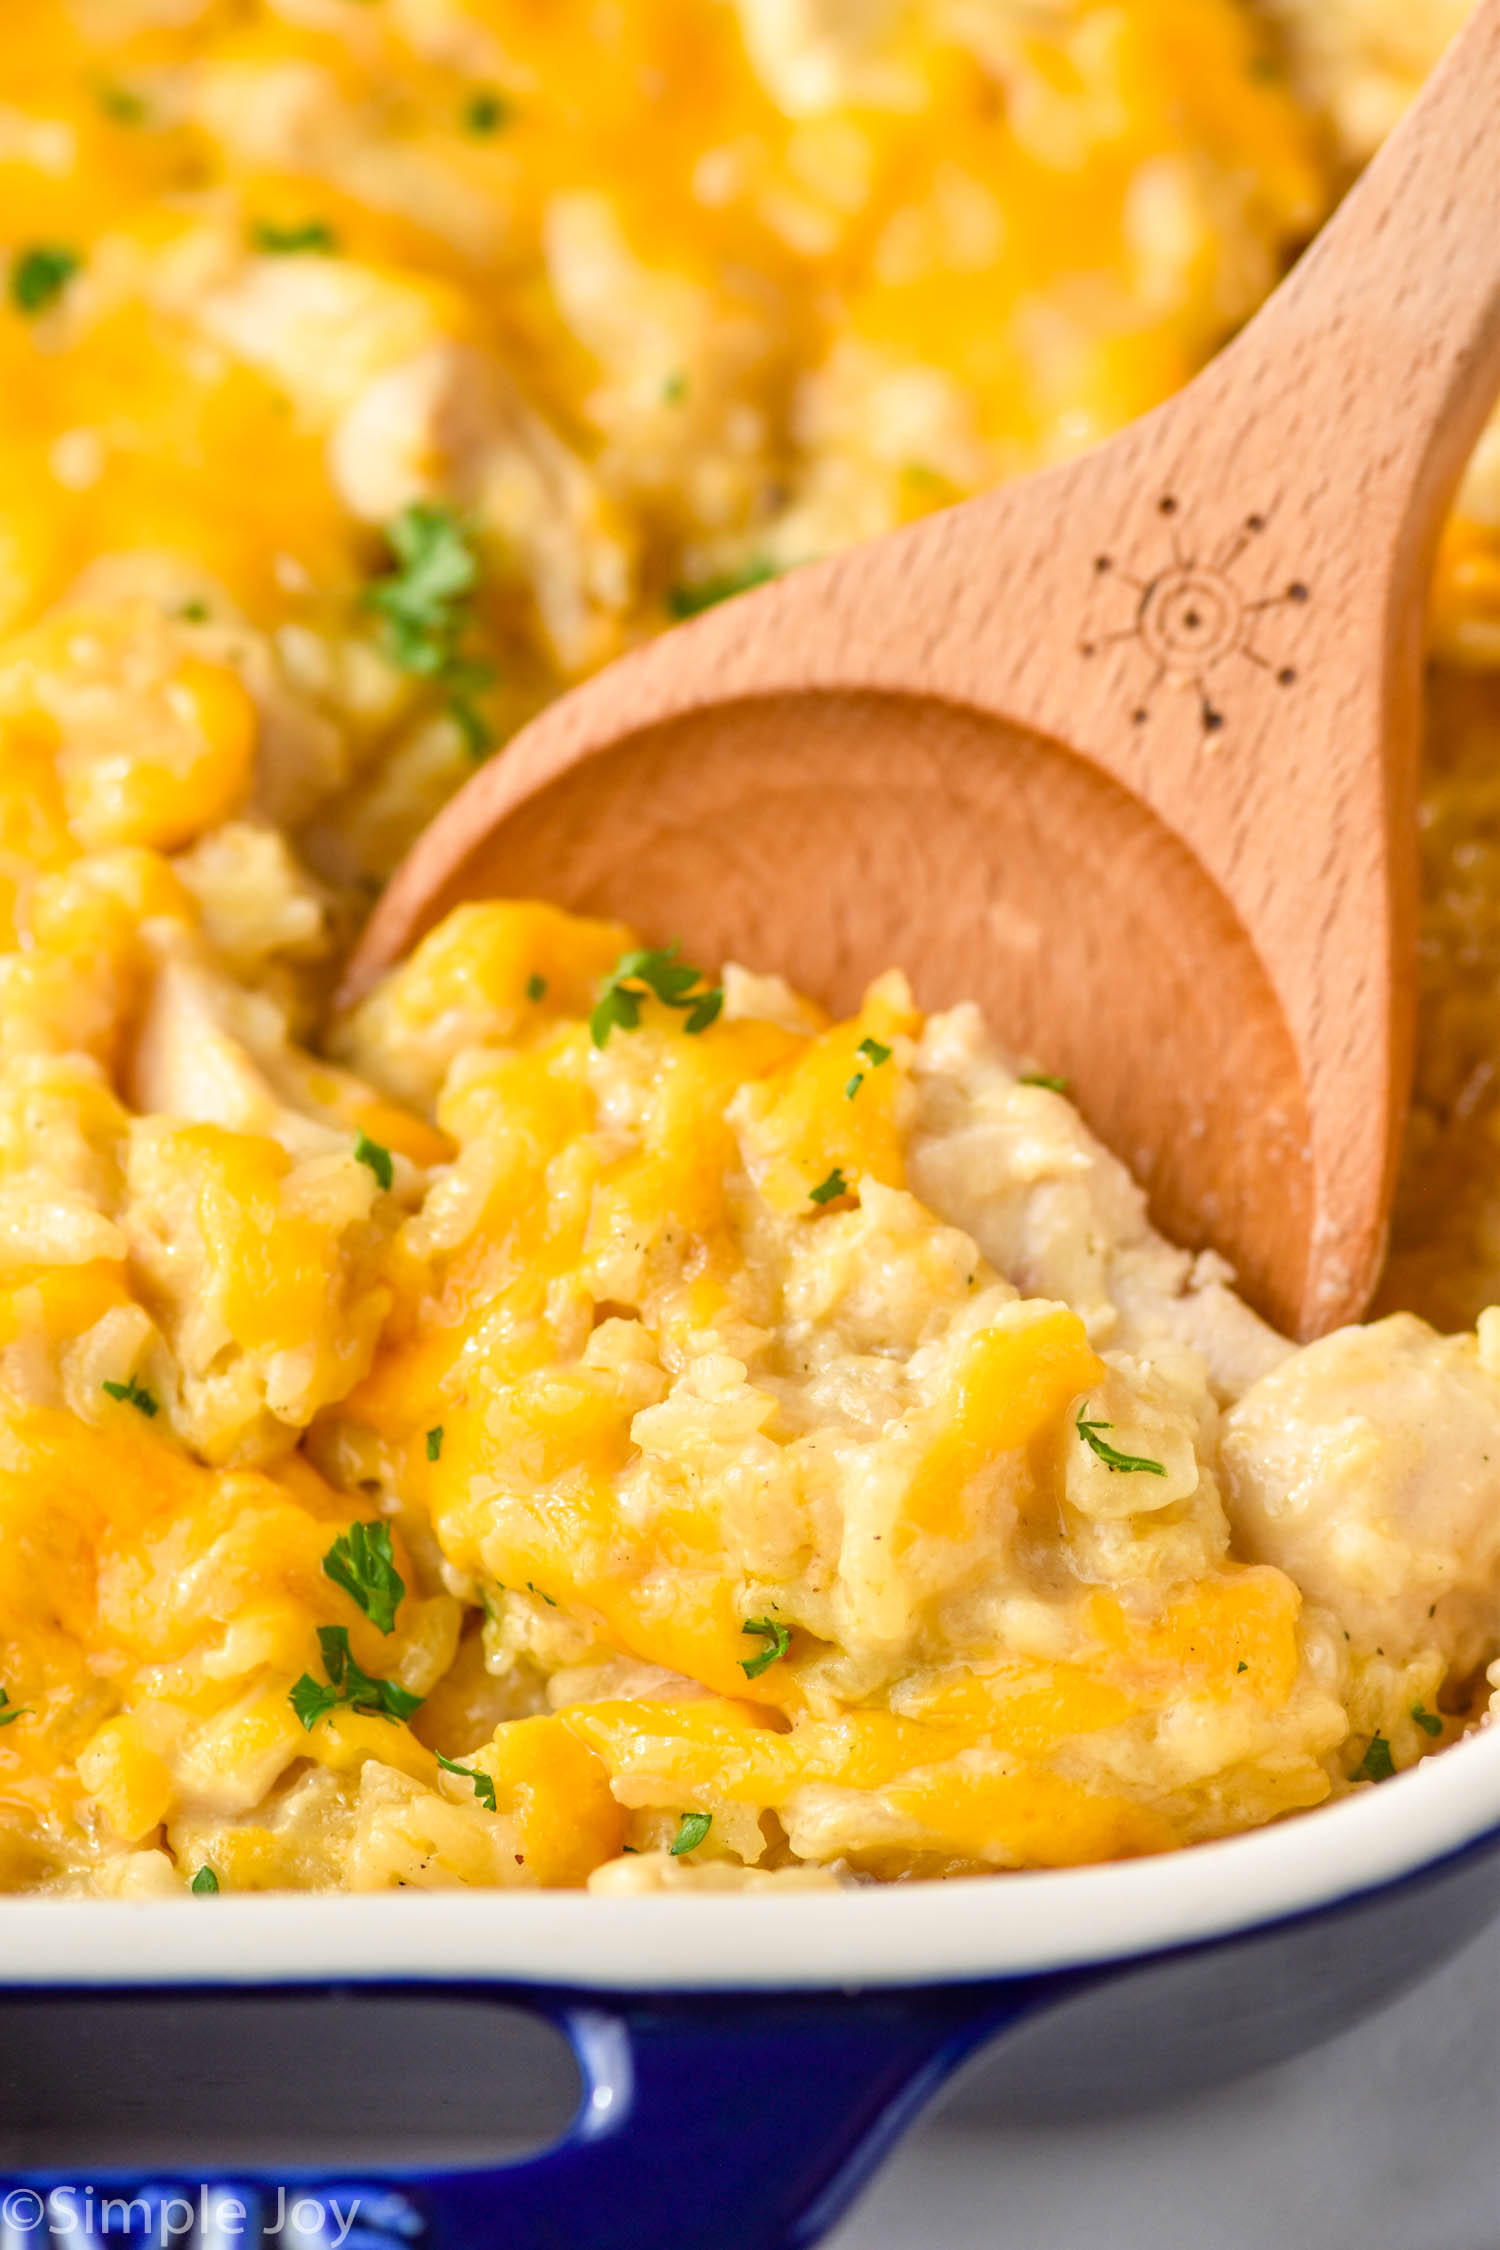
218	257
746	2062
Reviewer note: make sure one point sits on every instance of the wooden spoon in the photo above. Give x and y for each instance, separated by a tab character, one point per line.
1127	752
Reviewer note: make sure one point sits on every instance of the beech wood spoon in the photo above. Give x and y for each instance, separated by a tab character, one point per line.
1126	751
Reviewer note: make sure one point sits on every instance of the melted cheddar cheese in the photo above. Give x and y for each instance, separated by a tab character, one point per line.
335	259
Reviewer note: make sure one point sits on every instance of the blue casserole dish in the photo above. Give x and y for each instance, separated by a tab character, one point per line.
747	2061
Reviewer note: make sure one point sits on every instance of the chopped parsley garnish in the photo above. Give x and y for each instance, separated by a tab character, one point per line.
536	988
674	389
39	276
347	1683
827	1190
463	681
421	599
635	977
1042	1078
541	1597
695	1826
1242	1666
484	1787
1428	1721
435	1443
424	604
1123	1464
134	1394
194	613
378	1159
312	238
778	1641
361	1562
485	112
1377	1763
120	104
205	1883
874	1052
691	601
10	1712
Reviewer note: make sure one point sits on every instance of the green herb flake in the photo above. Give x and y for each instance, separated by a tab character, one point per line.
484	1787
541	1597
1377	1763
478	734
674	390
486	112
349	1684
1123	1464
536	989
691	601
205	1883
194	613
311	238
1428	1721
39	276
377	1159
1242	1666
1043	1078
695	1826
134	1394
421	600
10	1712
778	1640
827	1190
637	977
435	1443
311	1699
361	1562
120	104
874	1052
424	605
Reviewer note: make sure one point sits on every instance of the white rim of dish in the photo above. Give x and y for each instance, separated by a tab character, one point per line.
900	1934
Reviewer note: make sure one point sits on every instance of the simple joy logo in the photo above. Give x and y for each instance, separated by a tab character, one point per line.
299	2222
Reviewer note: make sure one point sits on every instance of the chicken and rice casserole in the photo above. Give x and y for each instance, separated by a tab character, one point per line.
581	1417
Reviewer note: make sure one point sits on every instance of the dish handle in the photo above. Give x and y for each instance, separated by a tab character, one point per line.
749	2123
743	2121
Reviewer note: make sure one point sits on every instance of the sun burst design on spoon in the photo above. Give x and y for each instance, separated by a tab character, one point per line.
1192	619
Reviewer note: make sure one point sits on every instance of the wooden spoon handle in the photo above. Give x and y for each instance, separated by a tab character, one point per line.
1391	322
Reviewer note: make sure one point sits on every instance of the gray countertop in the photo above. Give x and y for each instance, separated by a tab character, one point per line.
1387	2139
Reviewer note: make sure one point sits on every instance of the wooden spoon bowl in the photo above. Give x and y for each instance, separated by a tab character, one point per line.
1127	751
